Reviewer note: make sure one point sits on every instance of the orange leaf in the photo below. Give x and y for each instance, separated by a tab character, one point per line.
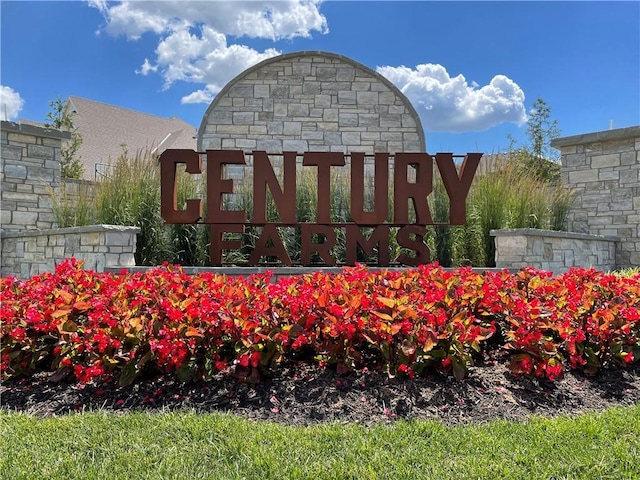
461	316
407	311
355	302
82	306
136	323
331	317
66	296
62	312
389	302
67	327
429	343
382	315
187	302
322	299
193	332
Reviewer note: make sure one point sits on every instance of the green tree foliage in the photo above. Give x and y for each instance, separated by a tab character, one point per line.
537	156
541	129
59	118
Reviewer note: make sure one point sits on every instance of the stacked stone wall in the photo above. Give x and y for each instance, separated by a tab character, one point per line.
100	246
78	190
30	163
603	169
311	101
553	251
30	243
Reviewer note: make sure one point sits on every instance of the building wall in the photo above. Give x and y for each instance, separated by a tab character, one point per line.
603	169
311	101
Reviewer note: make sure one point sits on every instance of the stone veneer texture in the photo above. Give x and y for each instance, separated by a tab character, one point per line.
311	101
553	251
30	244
30	165
603	169
29	253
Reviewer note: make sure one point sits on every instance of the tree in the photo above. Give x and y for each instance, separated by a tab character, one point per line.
59	118
537	155
540	130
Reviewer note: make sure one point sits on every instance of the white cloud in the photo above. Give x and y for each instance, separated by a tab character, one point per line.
132	19
147	67
447	104
204	58
205	95
274	19
10	103
194	35
198	43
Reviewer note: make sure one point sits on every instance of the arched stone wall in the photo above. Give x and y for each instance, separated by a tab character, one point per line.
311	101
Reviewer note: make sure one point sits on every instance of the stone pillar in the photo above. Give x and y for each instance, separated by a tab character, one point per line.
30	164
604	170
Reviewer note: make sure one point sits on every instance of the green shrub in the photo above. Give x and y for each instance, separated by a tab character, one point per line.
509	197
130	195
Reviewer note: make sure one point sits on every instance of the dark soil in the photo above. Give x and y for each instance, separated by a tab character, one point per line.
305	394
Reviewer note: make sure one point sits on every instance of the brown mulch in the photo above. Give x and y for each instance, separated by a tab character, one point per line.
305	394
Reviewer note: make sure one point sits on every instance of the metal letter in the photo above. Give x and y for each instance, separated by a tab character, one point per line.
269	232
218	244
217	186
169	186
457	187
381	189
380	237
324	161
417	192
322	249
423	255
284	198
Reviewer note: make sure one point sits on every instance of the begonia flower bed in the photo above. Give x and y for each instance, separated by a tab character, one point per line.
163	321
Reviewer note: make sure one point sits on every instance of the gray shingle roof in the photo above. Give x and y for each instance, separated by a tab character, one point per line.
106	128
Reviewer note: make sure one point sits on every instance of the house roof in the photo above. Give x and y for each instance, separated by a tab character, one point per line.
105	129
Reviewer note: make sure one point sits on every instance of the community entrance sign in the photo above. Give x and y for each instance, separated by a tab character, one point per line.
407	191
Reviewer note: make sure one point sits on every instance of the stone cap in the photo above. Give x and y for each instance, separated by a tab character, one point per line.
71	230
536	232
27	129
616	134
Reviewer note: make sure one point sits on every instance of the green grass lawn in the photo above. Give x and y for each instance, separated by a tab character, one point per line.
104	445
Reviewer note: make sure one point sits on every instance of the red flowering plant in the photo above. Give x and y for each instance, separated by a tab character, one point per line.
164	321
317	315
598	318
40	320
526	321
401	321
250	326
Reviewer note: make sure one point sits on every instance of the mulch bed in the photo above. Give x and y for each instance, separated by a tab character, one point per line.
305	394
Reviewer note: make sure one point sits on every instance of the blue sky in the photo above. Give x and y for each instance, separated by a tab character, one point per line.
471	69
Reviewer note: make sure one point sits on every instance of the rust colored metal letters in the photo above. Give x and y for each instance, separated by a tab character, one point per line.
407	192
